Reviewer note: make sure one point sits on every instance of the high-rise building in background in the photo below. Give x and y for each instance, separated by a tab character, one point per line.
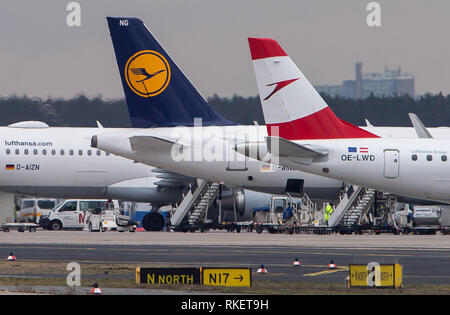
388	83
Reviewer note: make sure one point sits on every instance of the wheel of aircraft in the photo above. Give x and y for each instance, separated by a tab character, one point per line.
153	222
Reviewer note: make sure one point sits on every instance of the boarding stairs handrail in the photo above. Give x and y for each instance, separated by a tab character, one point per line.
187	200
203	202
360	208
348	198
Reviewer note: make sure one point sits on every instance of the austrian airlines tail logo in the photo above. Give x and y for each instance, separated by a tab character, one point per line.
279	86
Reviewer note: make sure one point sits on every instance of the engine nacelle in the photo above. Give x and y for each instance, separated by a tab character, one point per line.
245	200
142	190
231	199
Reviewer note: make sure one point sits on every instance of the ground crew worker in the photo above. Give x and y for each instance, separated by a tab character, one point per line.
328	211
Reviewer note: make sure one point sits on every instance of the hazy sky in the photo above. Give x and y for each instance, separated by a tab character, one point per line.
41	56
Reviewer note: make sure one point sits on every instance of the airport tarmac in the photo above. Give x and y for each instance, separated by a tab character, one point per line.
425	259
222	238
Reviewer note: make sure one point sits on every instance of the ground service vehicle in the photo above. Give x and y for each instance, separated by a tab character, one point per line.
73	213
30	209
280	216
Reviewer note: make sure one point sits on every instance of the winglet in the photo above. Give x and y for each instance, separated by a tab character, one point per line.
420	128
368	123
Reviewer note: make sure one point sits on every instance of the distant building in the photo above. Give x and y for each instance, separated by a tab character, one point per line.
388	83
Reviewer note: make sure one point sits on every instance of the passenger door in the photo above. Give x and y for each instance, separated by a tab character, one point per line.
391	163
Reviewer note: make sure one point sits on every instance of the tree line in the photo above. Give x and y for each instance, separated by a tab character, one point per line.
81	111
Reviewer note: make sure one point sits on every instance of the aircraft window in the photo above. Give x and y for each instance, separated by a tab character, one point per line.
98	152
80	152
107	153
8	151
89	152
53	152
414	157
17	151
444	158
71	152
25	151
35	152
61	152
44	152
429	157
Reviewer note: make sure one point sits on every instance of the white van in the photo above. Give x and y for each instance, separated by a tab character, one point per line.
74	213
31	209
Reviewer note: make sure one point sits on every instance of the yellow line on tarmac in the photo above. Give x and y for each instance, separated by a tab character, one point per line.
324	272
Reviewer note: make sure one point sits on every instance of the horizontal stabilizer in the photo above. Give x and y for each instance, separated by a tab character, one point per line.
143	143
288	148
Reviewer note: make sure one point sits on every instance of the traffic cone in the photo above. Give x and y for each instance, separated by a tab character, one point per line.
296	263
96	289
11	257
332	265
261	269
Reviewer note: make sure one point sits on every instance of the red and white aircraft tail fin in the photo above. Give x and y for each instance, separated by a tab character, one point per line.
290	102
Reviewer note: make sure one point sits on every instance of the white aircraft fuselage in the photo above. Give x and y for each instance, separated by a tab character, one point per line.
208	153
229	166
59	162
417	168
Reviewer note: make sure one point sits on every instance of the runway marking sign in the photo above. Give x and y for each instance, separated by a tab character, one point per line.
376	275
167	275
229	277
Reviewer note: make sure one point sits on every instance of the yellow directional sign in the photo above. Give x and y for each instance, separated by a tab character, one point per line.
358	275
229	277
375	275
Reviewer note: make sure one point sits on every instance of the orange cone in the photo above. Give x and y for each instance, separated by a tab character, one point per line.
96	289
296	263
11	257
261	269
332	265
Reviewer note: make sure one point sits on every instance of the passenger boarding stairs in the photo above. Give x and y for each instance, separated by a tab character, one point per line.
194	202
354	203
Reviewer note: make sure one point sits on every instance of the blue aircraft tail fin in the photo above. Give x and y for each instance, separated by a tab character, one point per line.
157	92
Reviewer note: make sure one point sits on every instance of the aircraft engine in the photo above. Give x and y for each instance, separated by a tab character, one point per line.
245	200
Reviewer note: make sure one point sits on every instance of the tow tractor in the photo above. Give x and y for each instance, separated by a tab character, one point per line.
109	220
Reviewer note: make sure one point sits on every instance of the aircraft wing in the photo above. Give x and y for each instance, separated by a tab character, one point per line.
303	154
143	143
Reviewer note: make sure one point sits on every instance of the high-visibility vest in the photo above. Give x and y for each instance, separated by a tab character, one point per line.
329	210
